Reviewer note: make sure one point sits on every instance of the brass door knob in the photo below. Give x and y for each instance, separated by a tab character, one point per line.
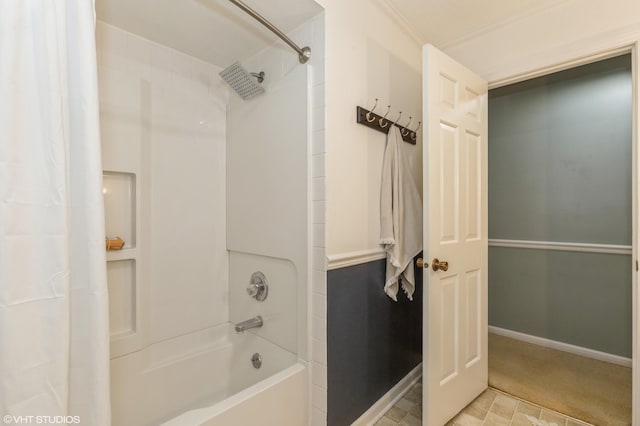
420	263
440	265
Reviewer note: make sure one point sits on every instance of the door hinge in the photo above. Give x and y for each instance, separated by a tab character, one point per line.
636	266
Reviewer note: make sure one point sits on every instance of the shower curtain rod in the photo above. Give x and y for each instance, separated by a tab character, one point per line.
304	54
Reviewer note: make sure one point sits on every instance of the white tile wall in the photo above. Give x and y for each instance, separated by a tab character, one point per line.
319	208
319	189
318	417
319	401
319	258
319	235
319	309
318	324
319	144
320	281
319	375
319	274
318	165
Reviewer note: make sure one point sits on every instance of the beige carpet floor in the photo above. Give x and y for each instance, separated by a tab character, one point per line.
593	391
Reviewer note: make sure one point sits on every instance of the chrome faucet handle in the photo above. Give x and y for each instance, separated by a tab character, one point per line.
258	287
253	290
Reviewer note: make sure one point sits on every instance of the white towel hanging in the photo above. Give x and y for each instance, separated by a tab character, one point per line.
400	215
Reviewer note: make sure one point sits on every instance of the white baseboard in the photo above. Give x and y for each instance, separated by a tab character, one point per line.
377	410
565	347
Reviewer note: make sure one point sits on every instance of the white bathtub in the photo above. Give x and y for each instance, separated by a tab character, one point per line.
280	400
207	378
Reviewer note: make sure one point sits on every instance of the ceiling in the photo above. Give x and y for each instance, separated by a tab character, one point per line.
445	22
217	32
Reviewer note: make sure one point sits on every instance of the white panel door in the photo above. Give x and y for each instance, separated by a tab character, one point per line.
455	231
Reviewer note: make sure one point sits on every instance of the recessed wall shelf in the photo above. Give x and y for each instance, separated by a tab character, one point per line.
120	206
121	278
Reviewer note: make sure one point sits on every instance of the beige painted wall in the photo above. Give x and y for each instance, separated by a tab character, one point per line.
369	55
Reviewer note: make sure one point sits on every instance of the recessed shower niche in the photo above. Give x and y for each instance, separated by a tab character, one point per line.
120	206
123	276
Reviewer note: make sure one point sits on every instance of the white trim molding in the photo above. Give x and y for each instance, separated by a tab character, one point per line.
388	400
560	346
336	261
561	56
559	246
573	63
401	21
541	6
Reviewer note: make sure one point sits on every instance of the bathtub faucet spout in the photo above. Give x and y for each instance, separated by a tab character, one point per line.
254	322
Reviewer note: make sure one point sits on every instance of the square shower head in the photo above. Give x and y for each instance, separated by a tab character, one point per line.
241	81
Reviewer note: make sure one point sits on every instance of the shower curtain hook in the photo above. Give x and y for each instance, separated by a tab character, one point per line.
368	115
405	130
384	118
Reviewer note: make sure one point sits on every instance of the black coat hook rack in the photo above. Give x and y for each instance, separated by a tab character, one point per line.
382	124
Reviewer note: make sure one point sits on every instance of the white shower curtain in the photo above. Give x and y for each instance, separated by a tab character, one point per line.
54	327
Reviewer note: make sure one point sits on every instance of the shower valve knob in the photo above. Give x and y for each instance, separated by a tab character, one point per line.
253	290
258	287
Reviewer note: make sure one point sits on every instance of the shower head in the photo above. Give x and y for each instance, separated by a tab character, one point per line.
240	81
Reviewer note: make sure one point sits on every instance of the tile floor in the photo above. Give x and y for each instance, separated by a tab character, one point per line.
491	408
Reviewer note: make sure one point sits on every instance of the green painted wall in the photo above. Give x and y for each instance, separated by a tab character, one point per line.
583	299
560	170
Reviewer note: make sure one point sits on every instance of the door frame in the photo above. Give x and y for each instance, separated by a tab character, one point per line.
596	55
